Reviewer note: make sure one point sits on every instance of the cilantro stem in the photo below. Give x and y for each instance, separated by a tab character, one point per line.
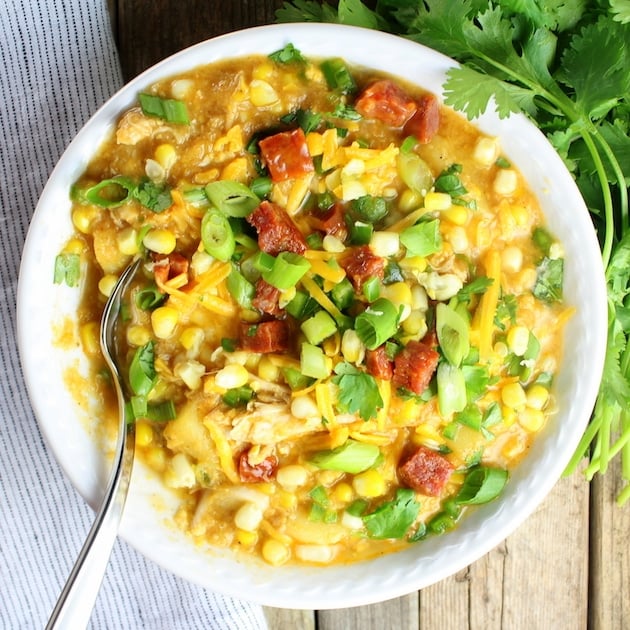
587	438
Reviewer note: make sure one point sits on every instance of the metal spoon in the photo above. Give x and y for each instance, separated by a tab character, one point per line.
75	604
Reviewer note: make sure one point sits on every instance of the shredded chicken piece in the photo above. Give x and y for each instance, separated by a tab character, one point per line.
134	126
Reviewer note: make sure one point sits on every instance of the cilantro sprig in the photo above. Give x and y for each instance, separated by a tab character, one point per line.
564	63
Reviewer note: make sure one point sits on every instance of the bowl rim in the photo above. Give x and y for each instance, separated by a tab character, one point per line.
298	587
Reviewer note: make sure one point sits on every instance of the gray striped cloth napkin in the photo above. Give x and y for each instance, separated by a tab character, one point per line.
59	64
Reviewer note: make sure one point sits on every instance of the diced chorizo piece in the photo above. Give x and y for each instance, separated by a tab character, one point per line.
424	124
333	222
414	367
286	155
266	298
166	267
361	264
271	336
254	473
378	364
386	101
276	230
426	471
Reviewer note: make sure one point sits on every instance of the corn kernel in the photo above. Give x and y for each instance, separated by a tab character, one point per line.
531	419
165	155
409	200
416	323
369	484
154	170
263	71
332	244
160	241
518	340
82	218
237	170
191	339
232	375
352	347
458	239
399	293
179	472
181	87
288	500
537	396
246	539
321	554
267	370
89	334
262	94
127	240
155	457
275	553
164	320
343	493
200	262
303	407
138	335
191	372
292	476
513	395
511	259
415	264
486	151
456	214
248	517
508	415
107	283
144	434
385	243
74	246
505	182
436	201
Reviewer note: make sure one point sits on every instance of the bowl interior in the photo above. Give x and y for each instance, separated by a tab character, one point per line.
43	307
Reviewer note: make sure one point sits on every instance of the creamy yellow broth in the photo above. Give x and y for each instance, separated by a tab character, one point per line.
302	512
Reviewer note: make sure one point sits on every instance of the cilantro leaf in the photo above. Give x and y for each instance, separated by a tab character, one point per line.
549	280
358	391
155	197
393	518
620	10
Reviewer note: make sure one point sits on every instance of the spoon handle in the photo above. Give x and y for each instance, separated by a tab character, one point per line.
75	604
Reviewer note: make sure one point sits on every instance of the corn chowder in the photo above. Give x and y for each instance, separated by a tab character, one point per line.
350	311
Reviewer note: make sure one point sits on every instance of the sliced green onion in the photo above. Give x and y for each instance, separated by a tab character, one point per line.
168	109
217	235
110	193
351	457
369	209
361	233
263	262
338	76
287	270
422	239
238	396
377	323
453	332
542	239
342	294
319	495
196	197
408	144
357	507
301	306
139	406
451	387
315	240
415	172
261	186
240	288
313	361
228	344
371	289
295	379
142	374
482	484
67	269
441	523
319	327
232	198
161	412
149	298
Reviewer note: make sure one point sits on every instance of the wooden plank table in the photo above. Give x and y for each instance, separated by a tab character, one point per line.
567	567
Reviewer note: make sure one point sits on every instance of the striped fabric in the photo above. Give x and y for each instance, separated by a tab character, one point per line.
58	65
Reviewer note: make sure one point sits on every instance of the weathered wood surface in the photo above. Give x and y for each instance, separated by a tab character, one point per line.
567	567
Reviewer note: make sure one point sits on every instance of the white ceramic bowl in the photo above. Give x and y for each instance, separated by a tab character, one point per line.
66	426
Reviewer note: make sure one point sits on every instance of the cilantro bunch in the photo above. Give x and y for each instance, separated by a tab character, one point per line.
565	64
